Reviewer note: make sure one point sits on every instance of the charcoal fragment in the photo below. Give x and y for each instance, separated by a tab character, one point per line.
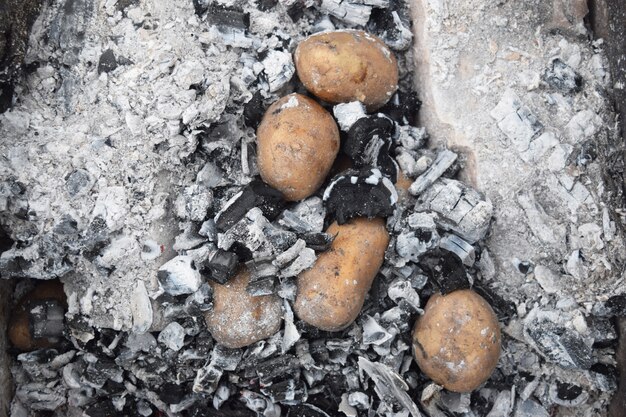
290	391
103	408
77	181
365	193
171	393
319	242
222	266
617	305
562	77
305	410
107	62
279	367
504	309
566	394
368	138
255	194
266	5
296	11
446	270
179	276
391	28
227	18
254	110
46	318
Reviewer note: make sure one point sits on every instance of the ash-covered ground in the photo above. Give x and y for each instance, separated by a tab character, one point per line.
131	151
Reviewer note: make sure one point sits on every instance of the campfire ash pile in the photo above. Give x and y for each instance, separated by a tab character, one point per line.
253	223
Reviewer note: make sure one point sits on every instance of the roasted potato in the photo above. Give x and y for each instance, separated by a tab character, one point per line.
347	65
297	142
457	340
330	294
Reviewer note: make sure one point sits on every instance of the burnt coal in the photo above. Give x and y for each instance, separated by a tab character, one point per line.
617	305
395	31
559	344
365	193
265	5
305	410
279	367
227	18
367	138
562	77
172	393
107	62
46	318
221	267
256	194
446	271
254	110
567	391
319	242
505	310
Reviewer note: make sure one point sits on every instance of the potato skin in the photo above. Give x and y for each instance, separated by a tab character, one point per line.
331	294
239	319
457	340
19	327
347	65
297	142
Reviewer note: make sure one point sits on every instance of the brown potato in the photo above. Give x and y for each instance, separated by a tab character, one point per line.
20	323
330	294
347	65
239	319
297	143
457	340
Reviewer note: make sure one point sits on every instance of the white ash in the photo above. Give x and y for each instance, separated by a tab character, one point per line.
173	336
179	276
278	68
348	113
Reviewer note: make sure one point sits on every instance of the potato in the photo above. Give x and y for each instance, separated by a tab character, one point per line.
330	294
239	319
297	142
20	326
347	65
457	340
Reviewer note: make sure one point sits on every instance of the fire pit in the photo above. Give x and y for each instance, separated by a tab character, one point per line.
232	208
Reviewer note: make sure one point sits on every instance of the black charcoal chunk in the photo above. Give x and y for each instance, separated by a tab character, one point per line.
367	138
254	110
171	393
46	318
227	18
279	367
289	391
617	305
602	330
391	28
557	343
504	309
102	408
221	267
364	193
318	241
446	270
562	77
256	194
566	394
107	62
296	11
95	238
351	12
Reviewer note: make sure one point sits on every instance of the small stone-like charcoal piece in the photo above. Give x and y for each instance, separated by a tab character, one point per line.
368	143
446	270
331	294
107	62
227	19
347	65
221	266
365	193
403	108
254	110
239	319
562	77
256	194
297	142
179	276
37	321
457	341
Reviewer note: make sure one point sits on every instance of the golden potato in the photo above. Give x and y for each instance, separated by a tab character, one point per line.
239	319
297	142
20	326
457	340
347	65
330	294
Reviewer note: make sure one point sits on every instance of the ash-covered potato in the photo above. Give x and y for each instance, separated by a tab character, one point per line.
297	144
37	322
331	294
457	340
347	65
239	319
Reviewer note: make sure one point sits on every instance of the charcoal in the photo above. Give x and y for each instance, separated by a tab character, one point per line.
78	181
525	267
445	159
462	249
338	350
102	408
202	300
393	30
171	393
603	331
221	267
562	77
261	286
349	12
446	270
290	334
566	394
266	5
46	318
255	194
306	217
141	342
193	203
504	309
296	11
374	333
400	289
100	371
318	241
359	400
305	260
254	110
305	410
420	237
289	391
617	305
279	367
260	404
179	276
227	18
367	138
279	68
530	408
303	354
107	62
365	193
221	396
557	343
173	336
348	113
